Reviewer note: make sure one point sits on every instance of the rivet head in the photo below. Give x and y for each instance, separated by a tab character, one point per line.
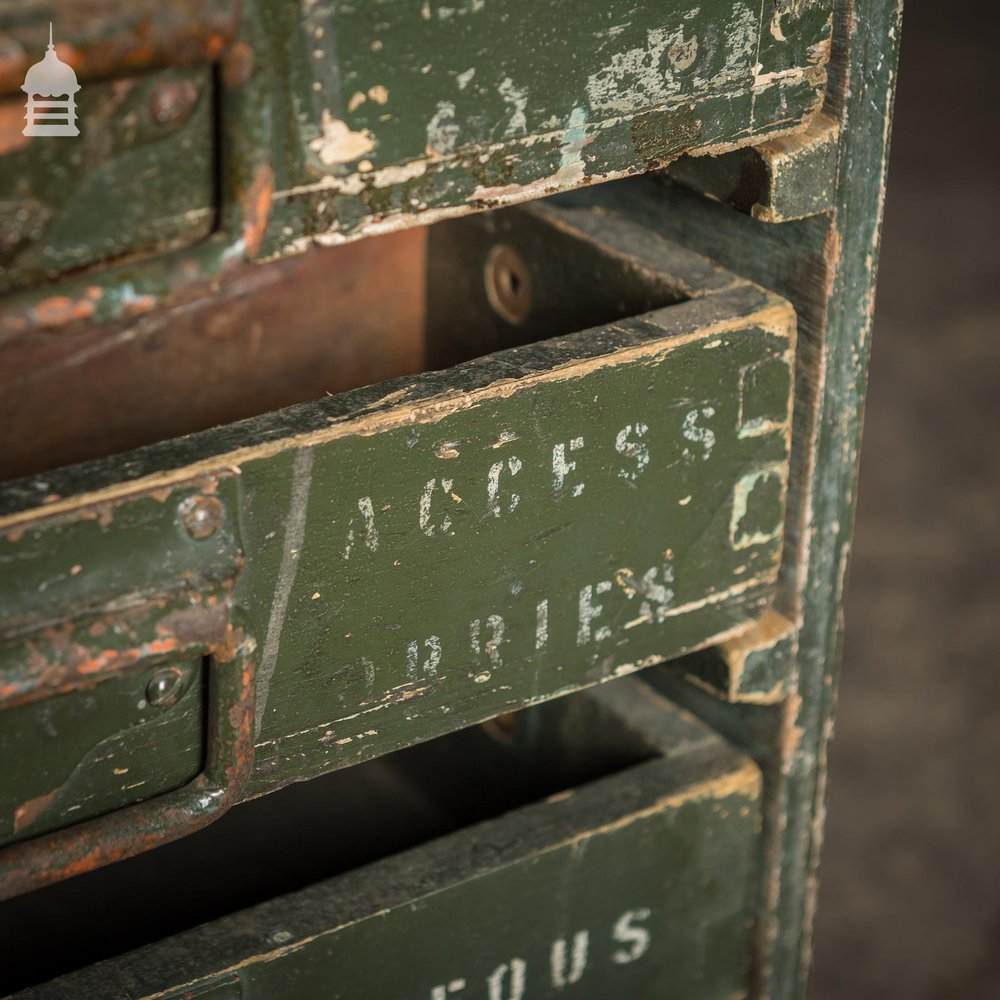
165	687
508	284
172	102
202	516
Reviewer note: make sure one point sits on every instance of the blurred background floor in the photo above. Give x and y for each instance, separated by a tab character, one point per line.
910	899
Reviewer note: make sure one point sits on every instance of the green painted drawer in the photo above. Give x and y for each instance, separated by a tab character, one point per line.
633	876
274	124
408	111
136	181
374	569
142	175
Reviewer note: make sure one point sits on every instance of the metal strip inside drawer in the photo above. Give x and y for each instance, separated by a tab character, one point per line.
632	878
374	569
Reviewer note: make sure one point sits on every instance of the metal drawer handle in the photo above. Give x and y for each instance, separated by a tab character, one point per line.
133	829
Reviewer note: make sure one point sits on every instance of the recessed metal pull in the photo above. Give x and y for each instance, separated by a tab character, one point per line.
227	746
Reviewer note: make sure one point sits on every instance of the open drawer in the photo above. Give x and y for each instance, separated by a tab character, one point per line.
218	131
604	844
293	593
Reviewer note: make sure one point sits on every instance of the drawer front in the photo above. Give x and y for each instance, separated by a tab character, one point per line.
408	112
140	179
340	119
409	559
638	884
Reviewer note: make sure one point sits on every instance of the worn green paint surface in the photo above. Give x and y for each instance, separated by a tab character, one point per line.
826	265
402	110
447	571
809	261
339	119
783	179
756	666
600	890
418	556
113	555
135	180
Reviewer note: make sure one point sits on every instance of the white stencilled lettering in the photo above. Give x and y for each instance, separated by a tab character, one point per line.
650	593
636	939
696	434
427	525
561	467
568	961
370	531
588	611
444	991
496	626
493	500
414	667
561	977
542	623
630	444
518	979
652	587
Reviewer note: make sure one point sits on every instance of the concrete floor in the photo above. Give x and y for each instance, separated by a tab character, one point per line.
910	899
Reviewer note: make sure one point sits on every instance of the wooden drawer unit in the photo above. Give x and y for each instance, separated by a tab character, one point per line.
348	417
374	569
627	872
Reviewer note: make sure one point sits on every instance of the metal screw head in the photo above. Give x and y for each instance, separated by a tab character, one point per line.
202	516
165	687
508	284
172	102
